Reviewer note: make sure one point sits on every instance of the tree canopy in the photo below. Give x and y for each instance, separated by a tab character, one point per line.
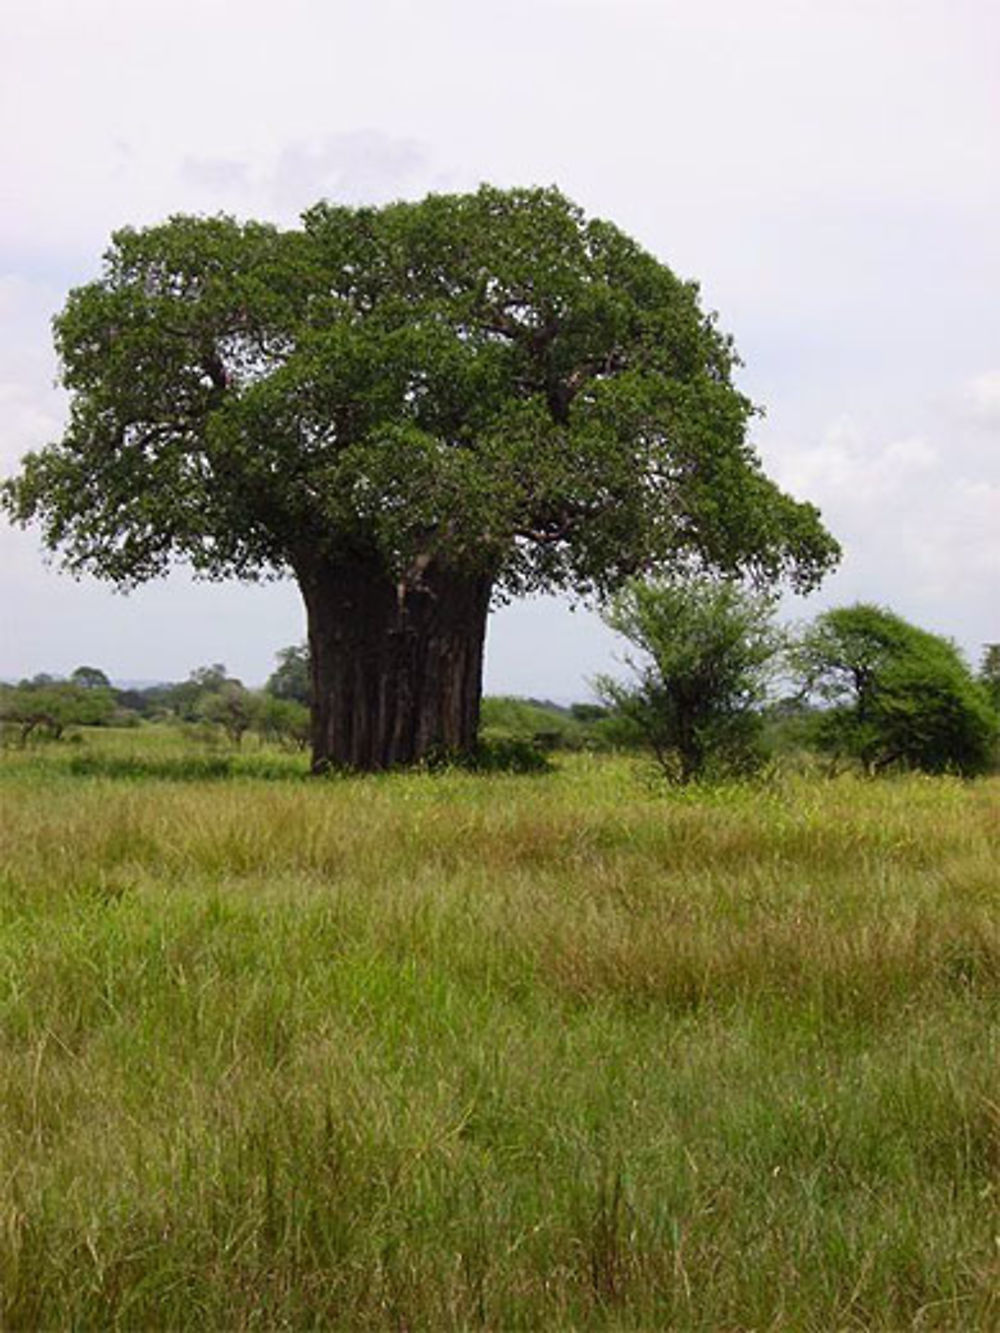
891	693
489	377
46	706
290	678
488	388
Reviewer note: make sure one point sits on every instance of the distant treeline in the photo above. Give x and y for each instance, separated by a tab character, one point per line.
717	690
210	703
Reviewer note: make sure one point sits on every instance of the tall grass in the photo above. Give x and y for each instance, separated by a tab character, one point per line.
453	1051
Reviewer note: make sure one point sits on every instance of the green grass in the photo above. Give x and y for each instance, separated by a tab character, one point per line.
457	1051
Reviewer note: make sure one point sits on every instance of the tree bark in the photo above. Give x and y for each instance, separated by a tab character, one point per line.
397	667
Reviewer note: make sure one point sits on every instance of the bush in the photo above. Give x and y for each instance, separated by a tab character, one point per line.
706	647
545	725
500	754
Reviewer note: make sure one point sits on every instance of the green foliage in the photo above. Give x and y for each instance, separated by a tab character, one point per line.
191	700
989	673
291	678
284	721
231	706
213	706
90	678
495	753
707	648
209	696
893	694
137	764
548	725
489	380
45	707
587	712
507	717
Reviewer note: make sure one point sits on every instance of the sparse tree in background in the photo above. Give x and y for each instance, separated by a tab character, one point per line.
412	410
90	678
706	651
290	680
210	678
282	721
229	705
185	698
892	694
46	707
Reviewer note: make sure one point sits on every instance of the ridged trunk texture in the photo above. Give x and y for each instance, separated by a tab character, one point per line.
397	668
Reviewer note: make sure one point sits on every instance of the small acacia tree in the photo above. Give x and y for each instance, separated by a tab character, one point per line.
45	707
90	678
230	706
890	693
707	647
413	410
186	698
283	721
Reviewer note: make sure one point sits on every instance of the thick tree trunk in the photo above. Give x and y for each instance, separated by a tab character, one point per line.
397	668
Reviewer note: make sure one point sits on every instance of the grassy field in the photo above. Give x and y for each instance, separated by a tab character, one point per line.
452	1051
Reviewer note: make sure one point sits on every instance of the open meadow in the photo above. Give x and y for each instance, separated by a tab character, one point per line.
448	1051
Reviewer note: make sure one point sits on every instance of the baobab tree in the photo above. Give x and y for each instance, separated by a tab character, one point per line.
413	410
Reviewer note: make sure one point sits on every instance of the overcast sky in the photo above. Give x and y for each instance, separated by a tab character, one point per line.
828	172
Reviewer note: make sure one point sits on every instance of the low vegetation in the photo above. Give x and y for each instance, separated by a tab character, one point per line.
435	1050
704	658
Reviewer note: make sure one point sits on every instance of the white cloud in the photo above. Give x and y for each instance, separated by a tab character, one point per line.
982	398
362	166
847	469
216	175
31	408
26	422
918	518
